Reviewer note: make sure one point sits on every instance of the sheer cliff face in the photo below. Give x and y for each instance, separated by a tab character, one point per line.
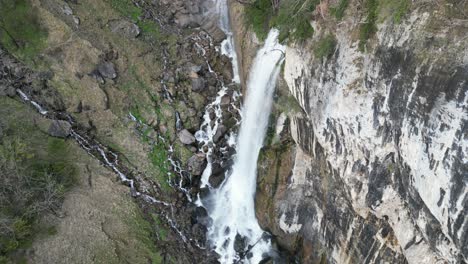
380	169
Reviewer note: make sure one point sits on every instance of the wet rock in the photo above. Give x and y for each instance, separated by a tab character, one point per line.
107	70
200	215
59	128
219	133
198	84
214	31
225	100
217	175
124	28
186	137
239	243
196	164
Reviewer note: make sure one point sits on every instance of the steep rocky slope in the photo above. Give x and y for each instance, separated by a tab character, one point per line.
378	172
129	81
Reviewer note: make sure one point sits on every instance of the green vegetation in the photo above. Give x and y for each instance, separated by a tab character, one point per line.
150	29
20	31
399	8
258	15
159	227
31	185
36	171
287	103
145	233
368	28
127	8
325	47
338	10
158	157
292	18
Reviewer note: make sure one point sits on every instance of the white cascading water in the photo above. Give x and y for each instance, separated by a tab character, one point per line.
231	206
227	46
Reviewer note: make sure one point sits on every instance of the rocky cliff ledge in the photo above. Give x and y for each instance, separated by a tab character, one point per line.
378	170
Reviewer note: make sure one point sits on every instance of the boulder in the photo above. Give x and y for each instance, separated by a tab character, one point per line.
196	164
7	91
124	28
240	243
198	84
186	137
107	70
225	100
219	132
217	175
59	128
214	31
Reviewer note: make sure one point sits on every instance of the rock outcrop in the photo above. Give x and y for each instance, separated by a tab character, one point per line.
379	170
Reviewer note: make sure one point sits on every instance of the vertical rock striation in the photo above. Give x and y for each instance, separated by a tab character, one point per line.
380	166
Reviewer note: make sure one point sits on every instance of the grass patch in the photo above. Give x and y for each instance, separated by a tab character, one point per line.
402	8
158	157
150	29
127	9
325	47
20	30
369	27
160	229
339	10
145	234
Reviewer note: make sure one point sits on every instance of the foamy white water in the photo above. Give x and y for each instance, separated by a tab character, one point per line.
232	207
227	46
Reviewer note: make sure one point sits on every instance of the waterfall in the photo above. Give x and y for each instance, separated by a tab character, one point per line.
235	233
227	46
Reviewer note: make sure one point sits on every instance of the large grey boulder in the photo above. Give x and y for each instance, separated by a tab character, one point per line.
198	84
186	137
124	28
107	70
196	164
211	27
59	128
219	132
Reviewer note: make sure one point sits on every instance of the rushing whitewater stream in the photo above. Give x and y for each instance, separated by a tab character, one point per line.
231	207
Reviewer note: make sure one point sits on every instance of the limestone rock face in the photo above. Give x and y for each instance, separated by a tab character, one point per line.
379	173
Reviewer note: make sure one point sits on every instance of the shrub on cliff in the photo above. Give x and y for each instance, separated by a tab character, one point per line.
325	47
30	186
291	17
